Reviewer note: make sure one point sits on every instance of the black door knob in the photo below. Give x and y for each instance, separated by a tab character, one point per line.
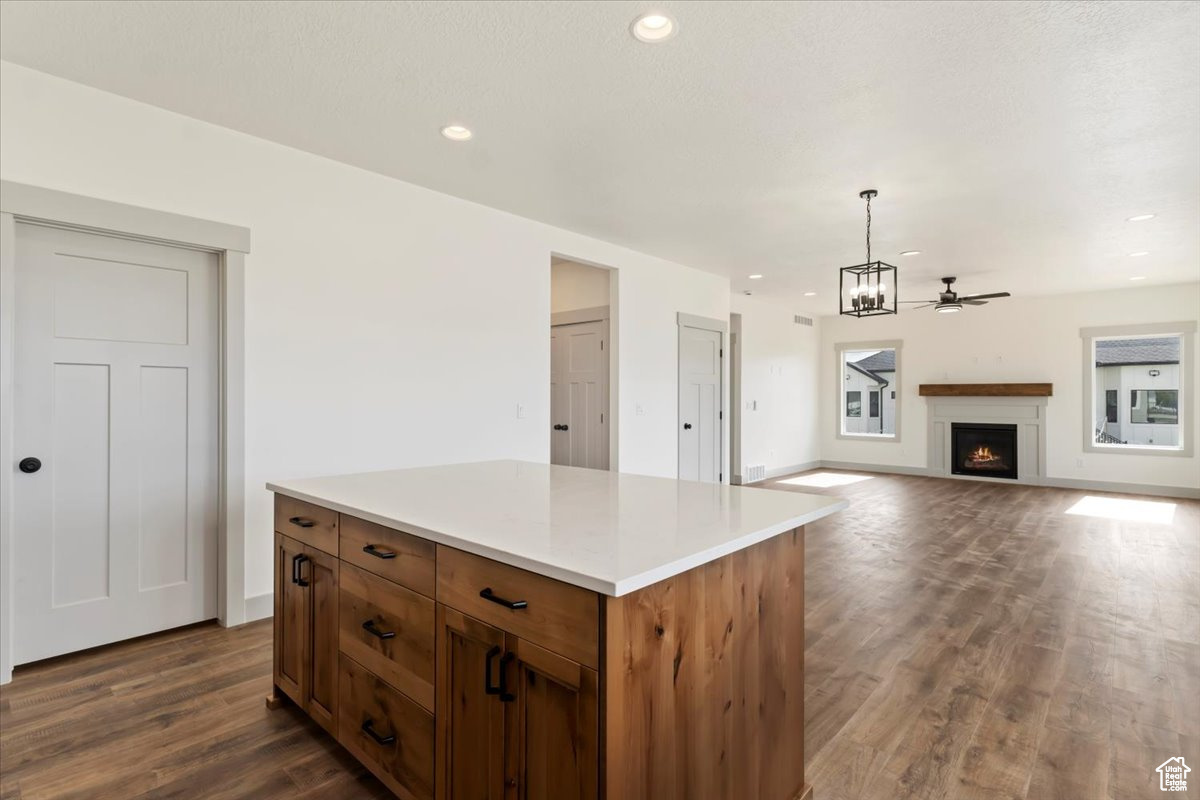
566	427
687	426
558	427
30	464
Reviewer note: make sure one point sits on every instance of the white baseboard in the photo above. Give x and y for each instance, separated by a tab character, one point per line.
1115	487
260	607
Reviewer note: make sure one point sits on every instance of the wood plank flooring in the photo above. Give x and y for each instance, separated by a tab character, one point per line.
964	640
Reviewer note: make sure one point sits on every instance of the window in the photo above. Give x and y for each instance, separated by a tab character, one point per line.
1137	388
853	404
868	375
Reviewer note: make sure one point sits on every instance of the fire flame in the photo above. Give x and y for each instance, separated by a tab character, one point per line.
983	455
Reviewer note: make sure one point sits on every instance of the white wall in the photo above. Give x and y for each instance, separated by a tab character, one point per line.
574	286
1019	339
779	371
387	325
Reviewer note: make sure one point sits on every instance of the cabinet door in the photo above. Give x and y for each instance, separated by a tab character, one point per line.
291	621
320	571
551	750
470	718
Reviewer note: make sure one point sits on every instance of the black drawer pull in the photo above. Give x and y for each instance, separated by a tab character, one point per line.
298	569
368	728
487	671
303	522
371	550
515	605
370	627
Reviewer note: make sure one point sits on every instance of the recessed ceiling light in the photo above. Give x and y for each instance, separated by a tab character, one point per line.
1141	218
754	277
1138	278
810	294
911	253
653	28
1139	254
456	133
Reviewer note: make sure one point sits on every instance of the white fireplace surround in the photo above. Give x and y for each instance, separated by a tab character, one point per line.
1027	413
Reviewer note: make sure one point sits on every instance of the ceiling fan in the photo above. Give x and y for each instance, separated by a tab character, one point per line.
949	301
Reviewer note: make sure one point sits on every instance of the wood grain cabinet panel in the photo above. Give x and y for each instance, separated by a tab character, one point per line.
389	553
558	616
307	523
390	734
291	622
389	630
470	720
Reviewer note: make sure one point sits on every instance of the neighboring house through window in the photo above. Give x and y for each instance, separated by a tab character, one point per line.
868	372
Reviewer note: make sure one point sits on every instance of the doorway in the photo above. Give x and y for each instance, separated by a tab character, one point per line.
701	415
580	357
116	433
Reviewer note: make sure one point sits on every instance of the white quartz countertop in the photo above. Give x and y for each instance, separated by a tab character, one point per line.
610	532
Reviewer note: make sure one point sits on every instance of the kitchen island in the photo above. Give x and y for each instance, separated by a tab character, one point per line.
517	630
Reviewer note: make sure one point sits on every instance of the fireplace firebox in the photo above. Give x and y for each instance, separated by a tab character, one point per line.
981	450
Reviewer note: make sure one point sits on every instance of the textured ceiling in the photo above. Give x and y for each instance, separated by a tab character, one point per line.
1009	141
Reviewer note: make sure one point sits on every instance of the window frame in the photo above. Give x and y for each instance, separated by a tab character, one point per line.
839	357
1186	331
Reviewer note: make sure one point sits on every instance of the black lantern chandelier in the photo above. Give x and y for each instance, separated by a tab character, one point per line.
869	289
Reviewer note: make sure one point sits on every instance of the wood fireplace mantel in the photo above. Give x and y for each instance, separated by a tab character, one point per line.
986	389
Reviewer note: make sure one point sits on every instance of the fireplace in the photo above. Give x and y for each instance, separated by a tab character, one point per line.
980	450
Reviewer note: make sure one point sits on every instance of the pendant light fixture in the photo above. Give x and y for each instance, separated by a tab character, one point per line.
868	289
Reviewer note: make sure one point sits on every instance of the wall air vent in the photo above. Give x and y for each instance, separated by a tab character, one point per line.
801	320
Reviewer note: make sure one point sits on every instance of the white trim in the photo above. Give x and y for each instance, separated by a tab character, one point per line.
260	606
1186	331
76	212
840	403
1143	489
779	472
575	316
703	323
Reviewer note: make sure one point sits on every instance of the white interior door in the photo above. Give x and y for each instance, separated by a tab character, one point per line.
579	395
700	354
115	535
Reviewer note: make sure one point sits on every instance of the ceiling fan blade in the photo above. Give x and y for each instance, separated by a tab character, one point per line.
928	304
985	296
916	301
967	302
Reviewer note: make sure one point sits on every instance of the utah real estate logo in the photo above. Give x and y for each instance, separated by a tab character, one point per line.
1172	775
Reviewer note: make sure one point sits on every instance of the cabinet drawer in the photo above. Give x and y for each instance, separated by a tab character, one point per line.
395	555
389	630
308	523
562	618
390	734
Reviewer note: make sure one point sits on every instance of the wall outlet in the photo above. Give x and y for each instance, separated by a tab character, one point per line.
637	409
520	411
1079	462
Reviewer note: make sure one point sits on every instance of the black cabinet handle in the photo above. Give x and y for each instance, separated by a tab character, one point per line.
374	551
515	605
687	426
298	569
487	671
370	627
368	728
303	522
505	695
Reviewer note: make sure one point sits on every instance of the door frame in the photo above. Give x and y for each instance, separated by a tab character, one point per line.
721	327
593	314
37	205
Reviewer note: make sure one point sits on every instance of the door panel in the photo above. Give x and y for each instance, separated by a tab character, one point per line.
700	424
579	394
470	721
551	753
321	571
291	622
116	392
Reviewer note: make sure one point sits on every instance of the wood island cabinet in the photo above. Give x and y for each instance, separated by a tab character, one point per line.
456	677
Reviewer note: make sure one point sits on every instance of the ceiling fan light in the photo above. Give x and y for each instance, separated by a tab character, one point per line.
948	308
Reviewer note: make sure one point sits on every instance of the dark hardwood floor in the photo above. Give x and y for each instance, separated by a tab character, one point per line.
965	640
